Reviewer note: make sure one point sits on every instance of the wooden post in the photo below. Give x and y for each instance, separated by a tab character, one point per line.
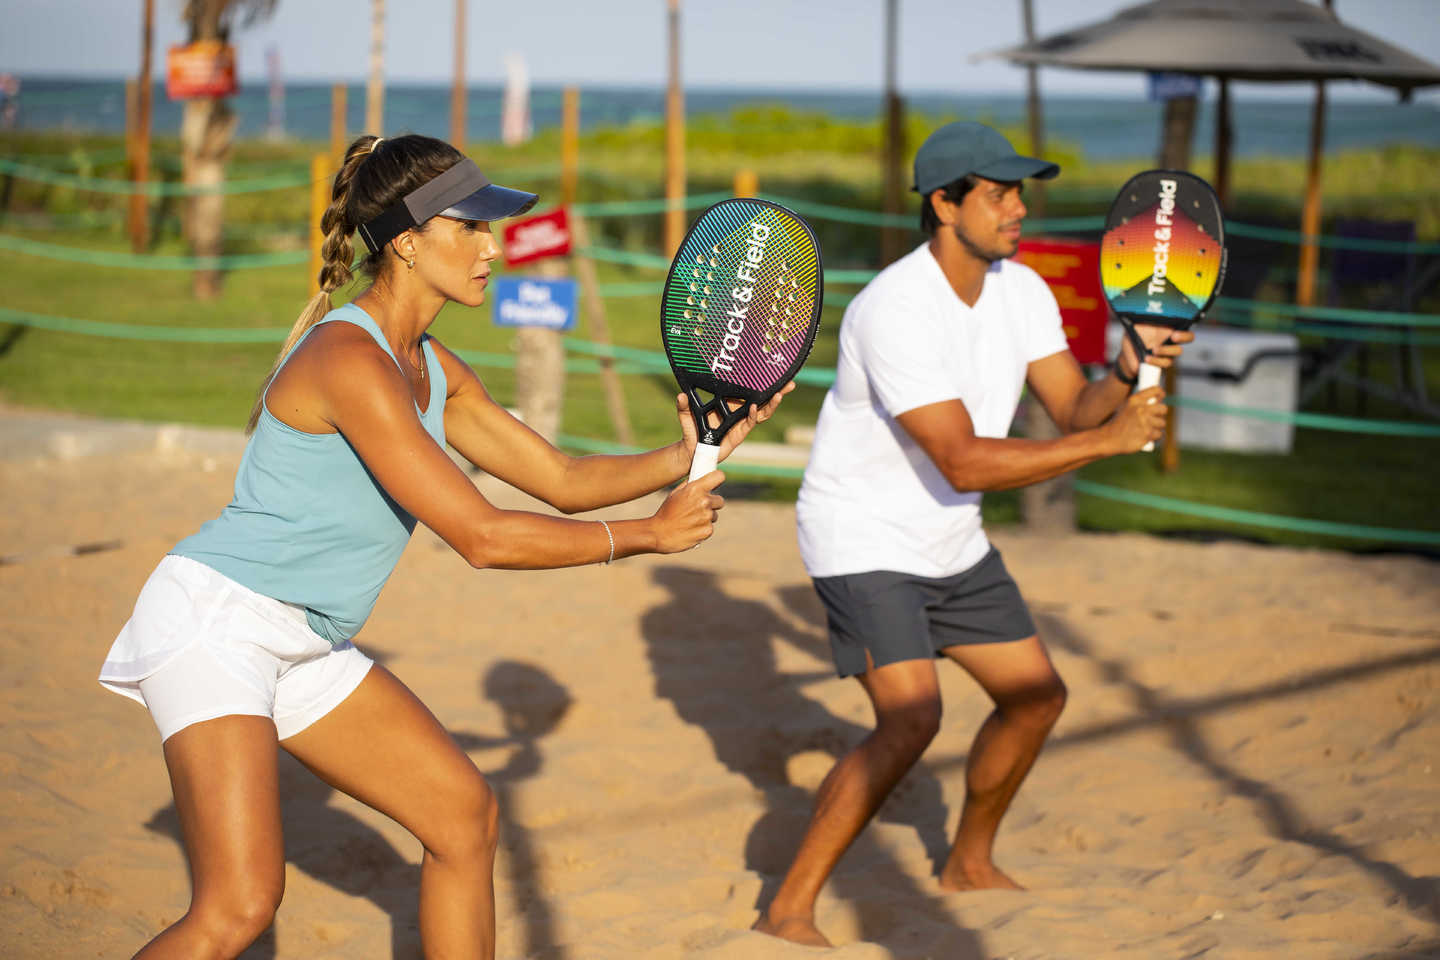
1223	133
321	173
1179	126
600	331
140	158
570	146
457	91
1035	189
375	87
1310	215
892	239
540	369
338	124
747	184
674	140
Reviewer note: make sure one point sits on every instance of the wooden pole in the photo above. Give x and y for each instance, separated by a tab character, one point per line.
1310	214
747	184
1035	189
540	369
674	139
1223	132
1047	506
375	88
600	331
338	122
1175	155
321	172
570	146
892	239
140	159
457	90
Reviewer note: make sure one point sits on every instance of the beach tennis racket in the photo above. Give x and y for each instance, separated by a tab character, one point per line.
1162	256
739	313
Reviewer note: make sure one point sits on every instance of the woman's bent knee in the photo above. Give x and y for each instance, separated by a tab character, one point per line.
232	921
469	824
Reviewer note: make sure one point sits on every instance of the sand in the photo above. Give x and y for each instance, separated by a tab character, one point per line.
1247	768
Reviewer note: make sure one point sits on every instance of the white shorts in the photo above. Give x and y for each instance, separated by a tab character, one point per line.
201	646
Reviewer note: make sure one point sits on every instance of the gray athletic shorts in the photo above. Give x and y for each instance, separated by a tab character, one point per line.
901	616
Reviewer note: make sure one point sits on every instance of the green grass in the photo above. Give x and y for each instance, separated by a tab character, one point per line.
1329	476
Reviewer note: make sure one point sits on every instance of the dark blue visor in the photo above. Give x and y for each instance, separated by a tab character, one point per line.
462	192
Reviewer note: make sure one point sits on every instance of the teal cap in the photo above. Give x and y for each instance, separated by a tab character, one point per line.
963	147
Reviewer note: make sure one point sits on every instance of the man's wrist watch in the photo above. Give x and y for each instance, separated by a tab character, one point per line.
1120	375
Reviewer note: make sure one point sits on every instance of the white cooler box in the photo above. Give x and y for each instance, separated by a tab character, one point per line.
1272	384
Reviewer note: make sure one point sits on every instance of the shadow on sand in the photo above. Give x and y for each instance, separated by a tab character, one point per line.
713	657
331	845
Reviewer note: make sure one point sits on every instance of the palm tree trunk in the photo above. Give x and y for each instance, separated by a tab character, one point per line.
207	135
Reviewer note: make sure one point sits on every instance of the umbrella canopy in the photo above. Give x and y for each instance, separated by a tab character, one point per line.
1267	40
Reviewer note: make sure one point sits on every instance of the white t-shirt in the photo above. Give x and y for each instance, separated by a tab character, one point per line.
872	499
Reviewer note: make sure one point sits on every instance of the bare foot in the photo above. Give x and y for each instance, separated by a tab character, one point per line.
795	929
983	876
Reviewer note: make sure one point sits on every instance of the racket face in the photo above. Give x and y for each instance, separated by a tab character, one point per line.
741	305
1162	256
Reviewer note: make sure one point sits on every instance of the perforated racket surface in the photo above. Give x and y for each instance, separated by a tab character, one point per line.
739	313
1162	256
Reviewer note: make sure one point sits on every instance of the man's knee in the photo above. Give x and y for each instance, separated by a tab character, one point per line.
911	727
1037	705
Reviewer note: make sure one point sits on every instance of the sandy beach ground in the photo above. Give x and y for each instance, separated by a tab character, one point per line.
1249	766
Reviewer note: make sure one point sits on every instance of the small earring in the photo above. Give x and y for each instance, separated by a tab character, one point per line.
410	264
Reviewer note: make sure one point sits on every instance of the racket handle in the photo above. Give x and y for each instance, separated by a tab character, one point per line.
1149	377
707	455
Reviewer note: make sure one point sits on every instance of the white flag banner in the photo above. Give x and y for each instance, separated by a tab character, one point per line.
515	124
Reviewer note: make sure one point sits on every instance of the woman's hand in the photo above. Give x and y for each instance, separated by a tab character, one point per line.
737	433
688	515
1163	344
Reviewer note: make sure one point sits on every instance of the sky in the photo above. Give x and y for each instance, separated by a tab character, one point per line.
805	44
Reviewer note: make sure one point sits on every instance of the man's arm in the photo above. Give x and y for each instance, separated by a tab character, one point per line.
1075	403
946	433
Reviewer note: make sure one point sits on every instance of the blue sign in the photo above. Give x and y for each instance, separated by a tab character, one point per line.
533	302
1170	86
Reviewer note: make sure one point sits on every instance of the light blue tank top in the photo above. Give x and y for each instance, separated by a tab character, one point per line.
309	525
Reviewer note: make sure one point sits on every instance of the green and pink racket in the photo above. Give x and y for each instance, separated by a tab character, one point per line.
739	313
1162	256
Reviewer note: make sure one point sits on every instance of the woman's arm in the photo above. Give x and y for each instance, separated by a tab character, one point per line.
363	395
487	435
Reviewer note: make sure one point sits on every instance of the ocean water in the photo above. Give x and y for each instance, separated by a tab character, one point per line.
1103	128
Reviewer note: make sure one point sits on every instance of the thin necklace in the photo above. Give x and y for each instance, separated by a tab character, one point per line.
418	366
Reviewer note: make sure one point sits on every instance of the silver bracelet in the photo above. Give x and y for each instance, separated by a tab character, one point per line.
612	539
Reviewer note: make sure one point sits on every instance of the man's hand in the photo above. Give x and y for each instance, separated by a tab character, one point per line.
1163	343
1140	421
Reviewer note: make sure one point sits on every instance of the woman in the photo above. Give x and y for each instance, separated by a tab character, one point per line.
241	637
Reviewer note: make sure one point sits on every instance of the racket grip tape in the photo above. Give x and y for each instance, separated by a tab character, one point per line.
707	455
1149	377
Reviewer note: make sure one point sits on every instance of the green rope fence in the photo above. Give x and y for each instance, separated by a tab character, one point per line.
640	360
40	172
1105	491
633	360
1255	519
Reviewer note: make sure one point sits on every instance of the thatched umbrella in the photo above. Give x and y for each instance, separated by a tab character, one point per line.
1256	40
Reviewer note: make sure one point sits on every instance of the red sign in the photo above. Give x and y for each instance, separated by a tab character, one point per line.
203	69
1072	270
535	238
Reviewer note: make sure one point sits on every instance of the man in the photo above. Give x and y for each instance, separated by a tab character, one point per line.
933	355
